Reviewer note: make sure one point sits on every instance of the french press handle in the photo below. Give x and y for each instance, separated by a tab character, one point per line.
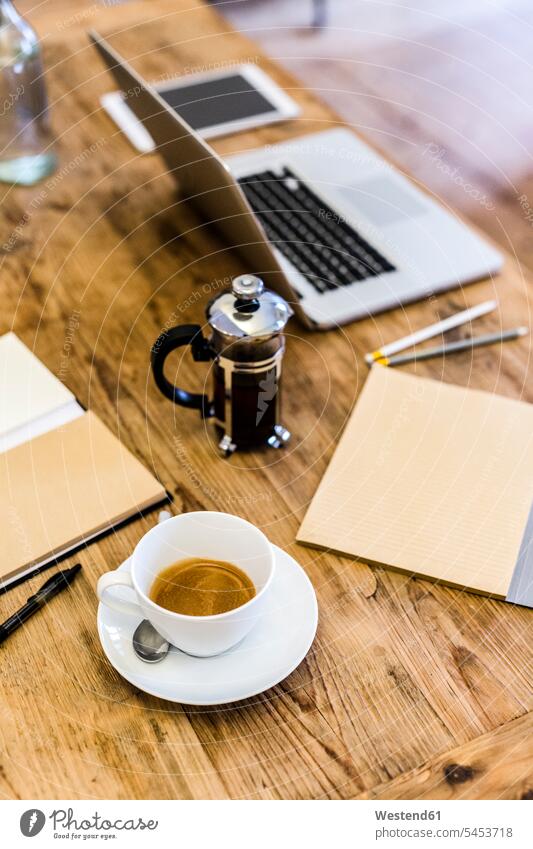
185	334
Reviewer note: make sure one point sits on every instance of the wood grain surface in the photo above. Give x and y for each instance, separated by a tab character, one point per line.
405	677
477	770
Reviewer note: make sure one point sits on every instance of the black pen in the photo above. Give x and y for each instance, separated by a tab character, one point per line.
54	585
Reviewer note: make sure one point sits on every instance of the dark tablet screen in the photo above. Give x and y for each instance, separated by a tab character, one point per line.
217	101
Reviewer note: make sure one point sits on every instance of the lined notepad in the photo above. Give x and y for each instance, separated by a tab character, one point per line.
65	487
431	479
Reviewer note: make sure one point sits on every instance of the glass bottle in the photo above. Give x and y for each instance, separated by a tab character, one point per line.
26	154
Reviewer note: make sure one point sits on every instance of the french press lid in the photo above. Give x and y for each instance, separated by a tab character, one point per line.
248	310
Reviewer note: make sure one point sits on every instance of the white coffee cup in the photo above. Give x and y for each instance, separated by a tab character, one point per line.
217	536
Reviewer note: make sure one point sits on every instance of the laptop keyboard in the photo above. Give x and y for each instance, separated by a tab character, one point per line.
320	244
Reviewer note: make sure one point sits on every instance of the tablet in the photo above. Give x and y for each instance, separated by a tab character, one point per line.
215	103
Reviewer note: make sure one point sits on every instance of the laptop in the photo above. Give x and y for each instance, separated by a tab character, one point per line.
323	219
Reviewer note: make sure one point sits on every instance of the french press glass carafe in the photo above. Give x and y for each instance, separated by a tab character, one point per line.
247	345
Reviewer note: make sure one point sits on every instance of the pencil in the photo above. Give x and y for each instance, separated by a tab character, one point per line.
432	330
454	347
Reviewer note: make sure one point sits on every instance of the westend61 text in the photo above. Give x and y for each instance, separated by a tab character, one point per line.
407	815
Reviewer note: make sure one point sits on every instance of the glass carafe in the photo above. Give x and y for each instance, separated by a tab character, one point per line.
26	155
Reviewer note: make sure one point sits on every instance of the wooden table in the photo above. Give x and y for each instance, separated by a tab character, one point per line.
411	690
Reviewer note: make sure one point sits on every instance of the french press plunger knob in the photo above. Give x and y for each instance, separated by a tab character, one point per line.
247	345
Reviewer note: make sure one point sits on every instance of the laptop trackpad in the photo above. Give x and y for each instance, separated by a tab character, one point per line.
383	201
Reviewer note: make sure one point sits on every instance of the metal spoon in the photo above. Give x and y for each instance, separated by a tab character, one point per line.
148	644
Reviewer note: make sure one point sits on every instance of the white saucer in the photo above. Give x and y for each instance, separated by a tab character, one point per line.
270	652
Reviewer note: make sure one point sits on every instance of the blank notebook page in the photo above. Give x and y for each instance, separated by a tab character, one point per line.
27	388
65	486
432	479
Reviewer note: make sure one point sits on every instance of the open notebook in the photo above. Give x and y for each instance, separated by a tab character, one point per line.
33	400
64	477
434	480
63	488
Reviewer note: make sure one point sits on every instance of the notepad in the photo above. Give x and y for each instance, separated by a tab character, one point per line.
62	489
33	400
431	479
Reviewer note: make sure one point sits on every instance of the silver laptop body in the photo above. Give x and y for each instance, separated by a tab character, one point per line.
337	231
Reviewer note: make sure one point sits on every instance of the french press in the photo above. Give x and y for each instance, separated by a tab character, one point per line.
247	345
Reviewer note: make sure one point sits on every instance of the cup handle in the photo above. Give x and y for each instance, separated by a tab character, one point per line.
117	579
